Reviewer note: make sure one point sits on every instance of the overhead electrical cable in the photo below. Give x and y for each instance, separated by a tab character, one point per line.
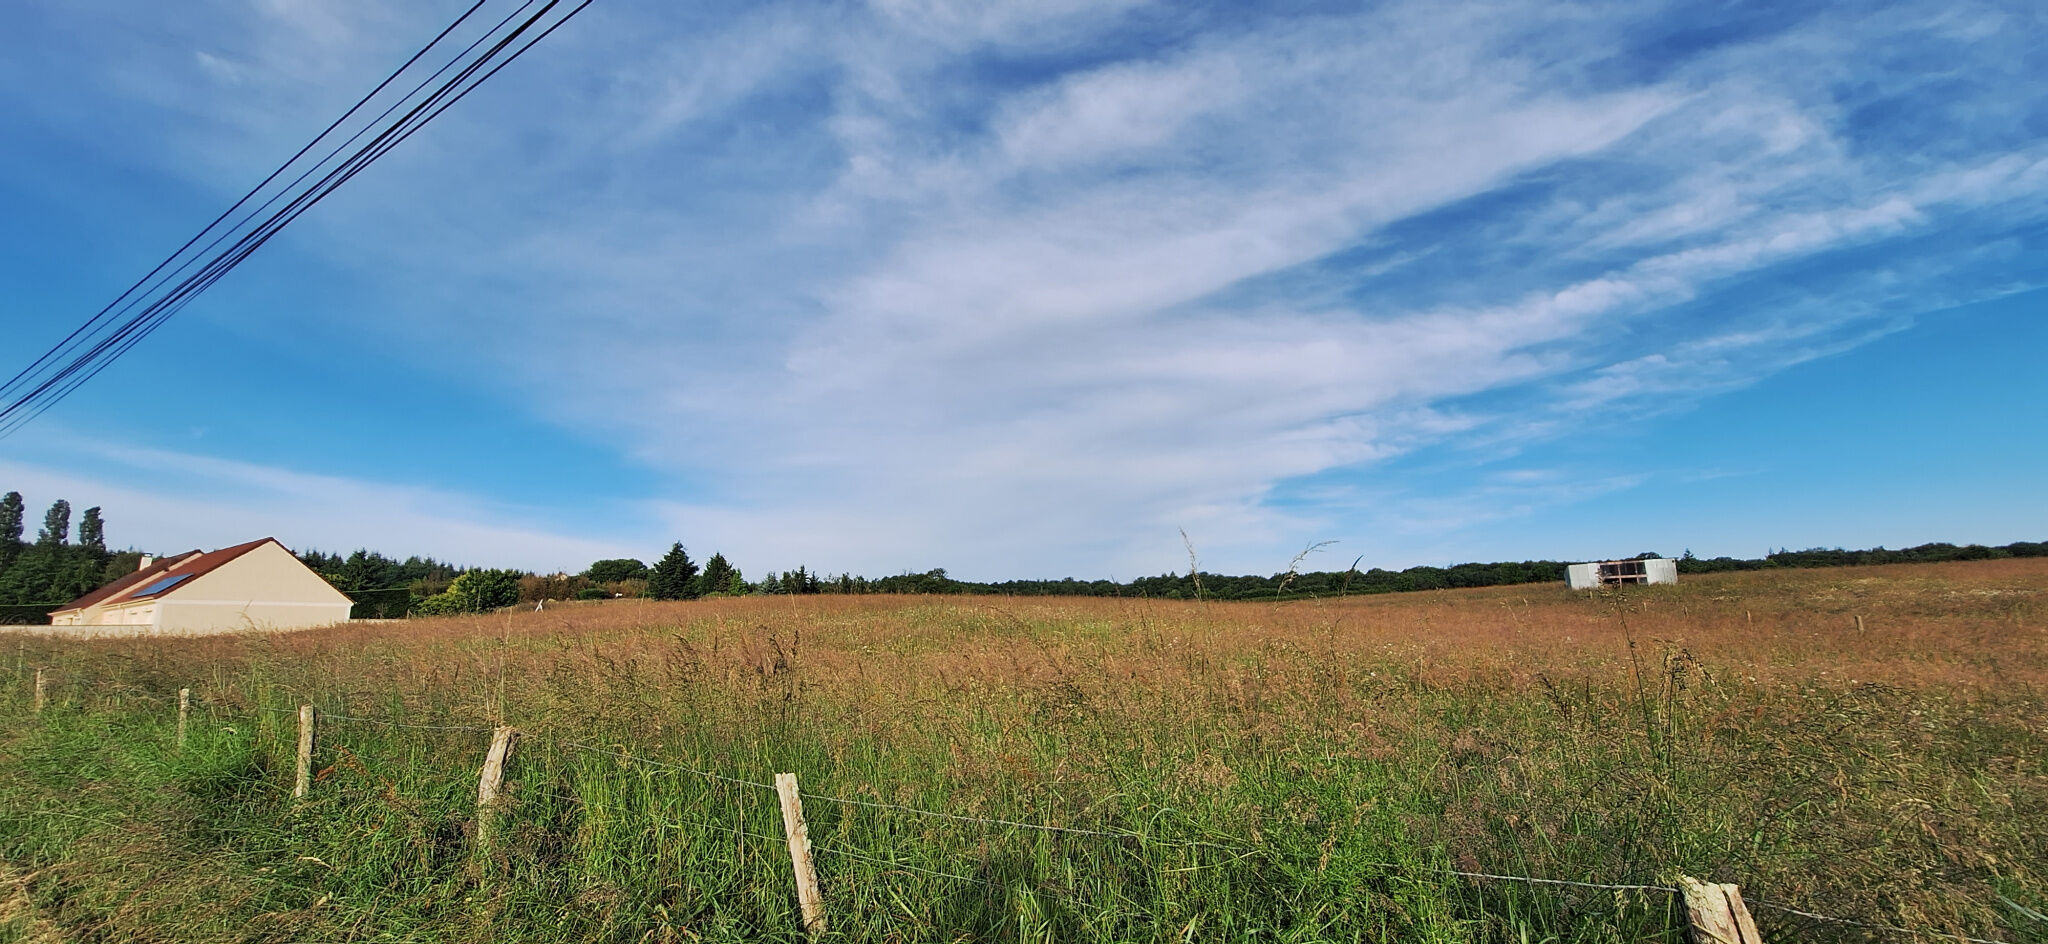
105	336
61	347
111	347
64	380
230	230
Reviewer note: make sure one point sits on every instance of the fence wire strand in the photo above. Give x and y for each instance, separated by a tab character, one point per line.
578	745
1531	879
675	823
331	716
734	830
892	864
1073	830
475	729
1875	927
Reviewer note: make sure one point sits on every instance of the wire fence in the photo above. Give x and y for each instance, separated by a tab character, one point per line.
1894	929
1240	848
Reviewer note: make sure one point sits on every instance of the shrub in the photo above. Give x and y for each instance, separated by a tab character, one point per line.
474	591
616	569
533	589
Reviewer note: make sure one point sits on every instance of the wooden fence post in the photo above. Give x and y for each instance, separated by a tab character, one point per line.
808	898
305	779
1717	914
42	689
184	714
491	778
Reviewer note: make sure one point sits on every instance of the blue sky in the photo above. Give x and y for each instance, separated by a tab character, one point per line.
1027	288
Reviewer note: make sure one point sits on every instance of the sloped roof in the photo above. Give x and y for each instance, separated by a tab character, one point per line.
188	565
129	581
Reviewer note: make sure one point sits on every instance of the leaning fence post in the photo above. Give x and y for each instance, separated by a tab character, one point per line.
184	714
491	778
1716	913
808	898
42	689
305	779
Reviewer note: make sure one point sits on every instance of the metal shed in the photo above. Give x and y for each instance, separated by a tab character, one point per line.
1621	572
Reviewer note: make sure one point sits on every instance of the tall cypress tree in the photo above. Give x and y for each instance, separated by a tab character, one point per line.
92	535
56	524
10	528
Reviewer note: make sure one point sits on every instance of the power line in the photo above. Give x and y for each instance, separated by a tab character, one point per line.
69	340
131	333
244	221
44	383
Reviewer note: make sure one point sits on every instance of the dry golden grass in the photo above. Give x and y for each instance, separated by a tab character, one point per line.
1974	624
1740	726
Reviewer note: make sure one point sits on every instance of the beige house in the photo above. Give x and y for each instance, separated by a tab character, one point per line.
259	585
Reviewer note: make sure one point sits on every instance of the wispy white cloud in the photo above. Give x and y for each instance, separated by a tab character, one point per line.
1022	288
162	500
956	24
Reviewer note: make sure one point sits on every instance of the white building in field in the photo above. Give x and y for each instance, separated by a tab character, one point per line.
1616	573
255	586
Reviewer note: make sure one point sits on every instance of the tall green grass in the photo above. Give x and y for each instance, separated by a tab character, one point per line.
594	847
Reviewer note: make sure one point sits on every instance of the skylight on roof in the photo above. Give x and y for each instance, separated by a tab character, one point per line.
160	586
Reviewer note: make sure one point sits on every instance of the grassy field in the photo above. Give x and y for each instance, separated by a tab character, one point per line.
1307	771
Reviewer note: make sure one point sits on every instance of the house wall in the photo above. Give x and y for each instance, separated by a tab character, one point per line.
141	614
202	617
266	588
1661	571
1582	576
103	621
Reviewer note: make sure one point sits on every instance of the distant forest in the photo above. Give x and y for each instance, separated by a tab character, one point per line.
40	575
422	584
1338	583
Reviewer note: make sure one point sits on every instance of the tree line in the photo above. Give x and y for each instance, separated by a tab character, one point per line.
383	587
387	588
37	577
632	578
1295	584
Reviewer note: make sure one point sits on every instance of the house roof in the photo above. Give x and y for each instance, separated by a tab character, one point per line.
181	567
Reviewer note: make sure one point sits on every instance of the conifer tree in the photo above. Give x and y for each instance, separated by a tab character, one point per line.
10	528
56	524
717	575
675	577
92	535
